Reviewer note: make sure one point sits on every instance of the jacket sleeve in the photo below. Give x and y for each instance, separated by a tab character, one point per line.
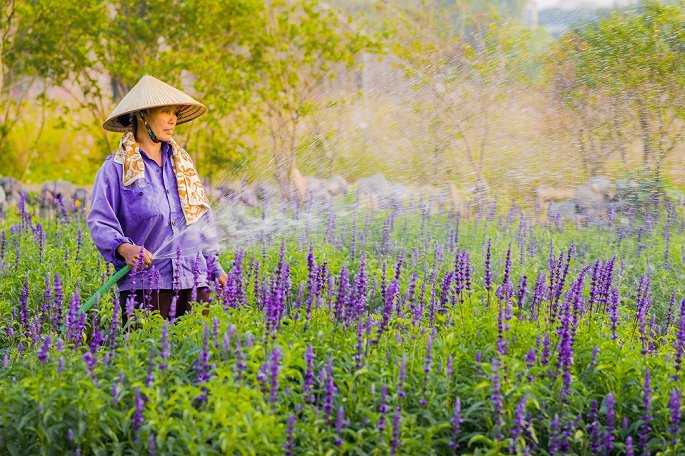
105	228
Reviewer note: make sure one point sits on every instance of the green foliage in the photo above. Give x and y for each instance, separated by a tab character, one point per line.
631	65
60	405
38	28
31	32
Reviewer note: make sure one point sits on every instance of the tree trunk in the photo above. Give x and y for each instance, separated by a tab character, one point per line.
646	142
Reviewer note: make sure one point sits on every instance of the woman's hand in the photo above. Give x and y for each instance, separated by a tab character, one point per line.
223	279
131	254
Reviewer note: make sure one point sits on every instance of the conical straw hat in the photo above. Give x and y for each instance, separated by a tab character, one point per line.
150	92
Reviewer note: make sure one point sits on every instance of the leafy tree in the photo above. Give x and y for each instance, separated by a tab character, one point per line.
463	57
628	71
42	44
177	42
302	44
256	65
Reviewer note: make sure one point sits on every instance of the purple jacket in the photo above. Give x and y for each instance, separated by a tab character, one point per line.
146	213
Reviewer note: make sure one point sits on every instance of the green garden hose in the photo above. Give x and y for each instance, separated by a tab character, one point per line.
107	285
112	280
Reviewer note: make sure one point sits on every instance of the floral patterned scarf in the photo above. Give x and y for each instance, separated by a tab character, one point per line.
190	191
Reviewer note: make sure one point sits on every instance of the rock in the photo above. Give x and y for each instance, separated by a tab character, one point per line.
11	187
375	184
592	198
337	185
545	194
562	209
3	197
316	189
52	192
81	197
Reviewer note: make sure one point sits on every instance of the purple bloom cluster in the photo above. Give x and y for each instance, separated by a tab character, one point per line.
276	295
44	349
539	294
674	405
567	322
610	420
462	273
521	291
679	343
488	270
643	305
139	409
290	437
427	367
308	385
456	422
240	364
505	291
646	427
340	422
600	284
76	321
330	391
202	368
497	399
396	428
402	377
165	346
519	424
391	294
273	373
382	409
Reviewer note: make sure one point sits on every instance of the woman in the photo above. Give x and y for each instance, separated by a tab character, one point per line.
147	193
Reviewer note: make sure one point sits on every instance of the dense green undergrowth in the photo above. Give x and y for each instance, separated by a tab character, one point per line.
366	335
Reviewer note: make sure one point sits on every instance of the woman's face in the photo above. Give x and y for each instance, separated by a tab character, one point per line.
162	120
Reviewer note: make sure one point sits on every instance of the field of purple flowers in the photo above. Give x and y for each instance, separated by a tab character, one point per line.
405	331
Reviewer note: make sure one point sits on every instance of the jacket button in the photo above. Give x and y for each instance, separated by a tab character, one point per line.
140	194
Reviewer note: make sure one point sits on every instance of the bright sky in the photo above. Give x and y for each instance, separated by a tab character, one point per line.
580	3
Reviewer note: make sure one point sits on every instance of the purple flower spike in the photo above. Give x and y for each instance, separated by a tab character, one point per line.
521	291
554	438
488	271
308	386
138	416
402	377
43	354
519	423
382	409
396	429
290	439
165	350
613	311
330	390
427	367
151	442
611	419
646	428
497	399
340	422
679	343
24	313
629	446
456	421
274	368
506	290
676	416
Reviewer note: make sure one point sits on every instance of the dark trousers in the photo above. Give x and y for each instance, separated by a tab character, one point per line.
161	302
